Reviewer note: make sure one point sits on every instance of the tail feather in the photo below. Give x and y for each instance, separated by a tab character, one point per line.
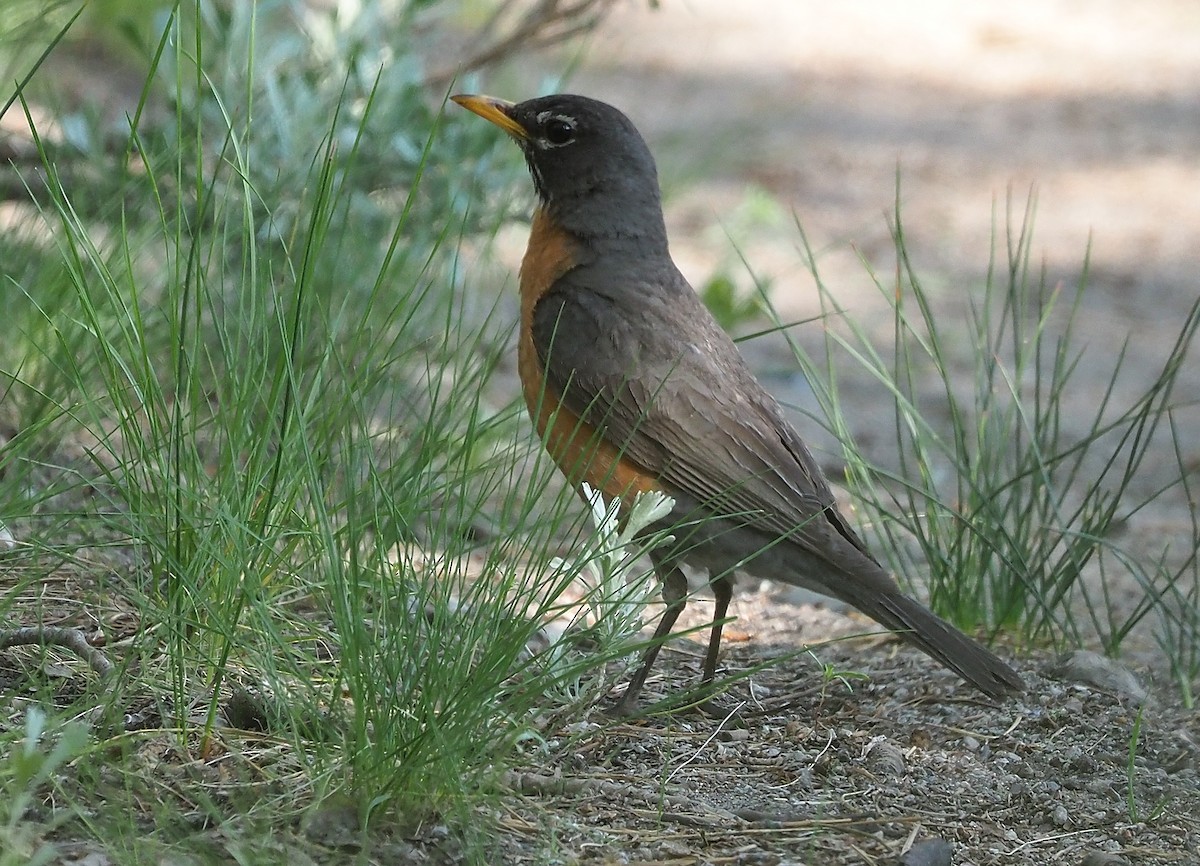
942	641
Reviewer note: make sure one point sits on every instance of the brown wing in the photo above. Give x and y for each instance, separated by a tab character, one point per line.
647	364
669	387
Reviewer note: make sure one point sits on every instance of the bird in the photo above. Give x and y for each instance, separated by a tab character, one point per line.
633	386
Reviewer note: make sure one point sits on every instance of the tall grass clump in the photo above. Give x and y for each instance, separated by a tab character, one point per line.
247	384
1010	486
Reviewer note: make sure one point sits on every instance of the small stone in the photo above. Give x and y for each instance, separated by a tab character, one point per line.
246	711
1103	858
1059	816
670	850
335	825
1093	669
929	852
883	758
758	858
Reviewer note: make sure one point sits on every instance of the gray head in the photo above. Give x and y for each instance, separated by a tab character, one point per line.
591	167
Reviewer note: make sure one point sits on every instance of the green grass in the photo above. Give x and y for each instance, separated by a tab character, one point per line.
29	766
1007	499
251	395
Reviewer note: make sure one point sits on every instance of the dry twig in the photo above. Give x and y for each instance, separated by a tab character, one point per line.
71	638
673	806
543	24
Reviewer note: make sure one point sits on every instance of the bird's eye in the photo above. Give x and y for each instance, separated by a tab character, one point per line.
560	130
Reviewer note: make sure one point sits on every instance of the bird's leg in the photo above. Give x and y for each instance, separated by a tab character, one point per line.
723	591
674	593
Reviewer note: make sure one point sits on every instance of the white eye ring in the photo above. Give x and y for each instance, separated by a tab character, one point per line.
559	129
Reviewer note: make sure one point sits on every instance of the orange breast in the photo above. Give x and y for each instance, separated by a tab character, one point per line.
578	448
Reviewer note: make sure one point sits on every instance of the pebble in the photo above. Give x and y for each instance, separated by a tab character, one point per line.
1093	669
1103	858
884	759
929	852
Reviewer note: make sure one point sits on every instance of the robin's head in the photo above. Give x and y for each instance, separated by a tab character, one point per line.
590	165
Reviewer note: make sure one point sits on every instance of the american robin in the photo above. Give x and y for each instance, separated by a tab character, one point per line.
633	386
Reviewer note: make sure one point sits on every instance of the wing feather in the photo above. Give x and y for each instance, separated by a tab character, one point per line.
691	413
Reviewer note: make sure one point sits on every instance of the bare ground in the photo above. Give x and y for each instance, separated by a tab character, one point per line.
858	766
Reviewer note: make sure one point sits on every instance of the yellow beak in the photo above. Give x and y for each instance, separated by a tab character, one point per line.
495	110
